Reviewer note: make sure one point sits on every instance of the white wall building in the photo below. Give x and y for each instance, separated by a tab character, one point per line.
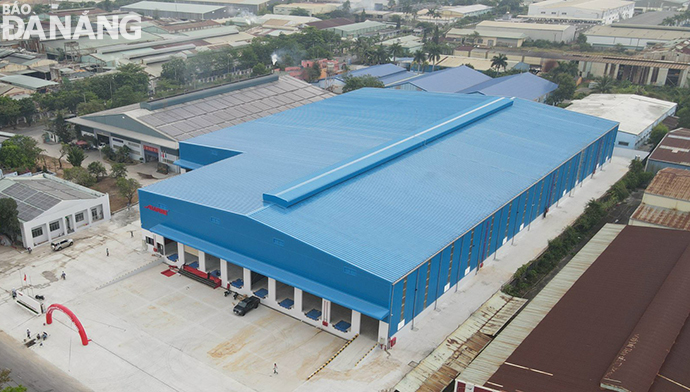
50	207
599	11
534	31
636	114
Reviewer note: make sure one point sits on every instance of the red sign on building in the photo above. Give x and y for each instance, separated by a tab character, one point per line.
152	149
156	209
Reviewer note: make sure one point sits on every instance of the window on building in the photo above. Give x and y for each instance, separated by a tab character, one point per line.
150	241
54	225
96	214
37	232
78	217
623	143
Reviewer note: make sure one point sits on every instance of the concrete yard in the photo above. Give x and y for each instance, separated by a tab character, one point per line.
150	332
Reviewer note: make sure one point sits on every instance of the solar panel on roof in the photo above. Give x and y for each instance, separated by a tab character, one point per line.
19	192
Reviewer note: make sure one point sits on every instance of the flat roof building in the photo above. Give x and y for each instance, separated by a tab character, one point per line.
597	11
184	11
636	114
355	30
666	201
49	207
153	129
672	151
338	212
615	318
28	82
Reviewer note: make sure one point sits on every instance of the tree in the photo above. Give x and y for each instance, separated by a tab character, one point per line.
566	89
89	107
62	129
9	218
79	175
260	69
127	187
658	133
118	170
419	59
9	111
396	50
19	152
97	170
27	109
499	61
604	85
64	150
347	6
567	67
433	51
314	72
356	82
299	12
19	388
127	95
122	155
397	19
75	155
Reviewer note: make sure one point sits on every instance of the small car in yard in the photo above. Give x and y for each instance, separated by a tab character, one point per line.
61	244
246	305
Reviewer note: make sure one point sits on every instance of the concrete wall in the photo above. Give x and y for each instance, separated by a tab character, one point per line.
65	215
666	202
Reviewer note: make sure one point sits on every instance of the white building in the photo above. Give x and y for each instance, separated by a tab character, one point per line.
50	207
636	114
598	11
534	31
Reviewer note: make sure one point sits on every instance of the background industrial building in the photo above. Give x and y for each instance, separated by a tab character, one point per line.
49	207
339	213
592	11
666	201
636	114
182	11
153	129
672	151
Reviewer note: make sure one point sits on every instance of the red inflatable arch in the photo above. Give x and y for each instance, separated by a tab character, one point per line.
75	320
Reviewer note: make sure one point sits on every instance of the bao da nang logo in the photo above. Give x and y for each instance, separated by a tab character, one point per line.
18	23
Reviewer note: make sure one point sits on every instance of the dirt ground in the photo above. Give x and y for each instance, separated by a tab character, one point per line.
117	201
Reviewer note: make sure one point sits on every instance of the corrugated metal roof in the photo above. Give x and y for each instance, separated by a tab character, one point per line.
572	334
172	7
503	346
389	74
659	216
671	182
389	218
524	85
449	80
456	352
674	148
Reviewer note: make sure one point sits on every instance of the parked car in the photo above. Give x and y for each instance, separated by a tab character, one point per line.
61	244
246	305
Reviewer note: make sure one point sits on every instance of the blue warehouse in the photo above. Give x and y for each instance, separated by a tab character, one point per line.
357	212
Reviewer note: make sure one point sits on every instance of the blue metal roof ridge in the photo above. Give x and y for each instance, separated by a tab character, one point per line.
312	287
315	183
185	164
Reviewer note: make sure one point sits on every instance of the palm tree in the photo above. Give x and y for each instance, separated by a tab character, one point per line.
419	59
499	61
396	50
434	54
380	55
360	47
604	85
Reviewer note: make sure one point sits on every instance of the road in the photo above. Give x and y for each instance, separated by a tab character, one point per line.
32	371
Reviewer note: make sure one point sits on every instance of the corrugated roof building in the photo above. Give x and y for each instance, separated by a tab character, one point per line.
666	201
153	129
672	151
576	336
523	85
370	205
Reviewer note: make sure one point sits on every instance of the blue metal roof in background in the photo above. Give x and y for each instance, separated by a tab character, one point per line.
449	80
386	73
523	85
393	216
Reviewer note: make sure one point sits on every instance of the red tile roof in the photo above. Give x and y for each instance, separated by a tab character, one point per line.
674	148
662	217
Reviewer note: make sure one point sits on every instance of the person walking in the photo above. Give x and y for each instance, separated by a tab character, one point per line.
28	333
63	276
275	368
107	252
